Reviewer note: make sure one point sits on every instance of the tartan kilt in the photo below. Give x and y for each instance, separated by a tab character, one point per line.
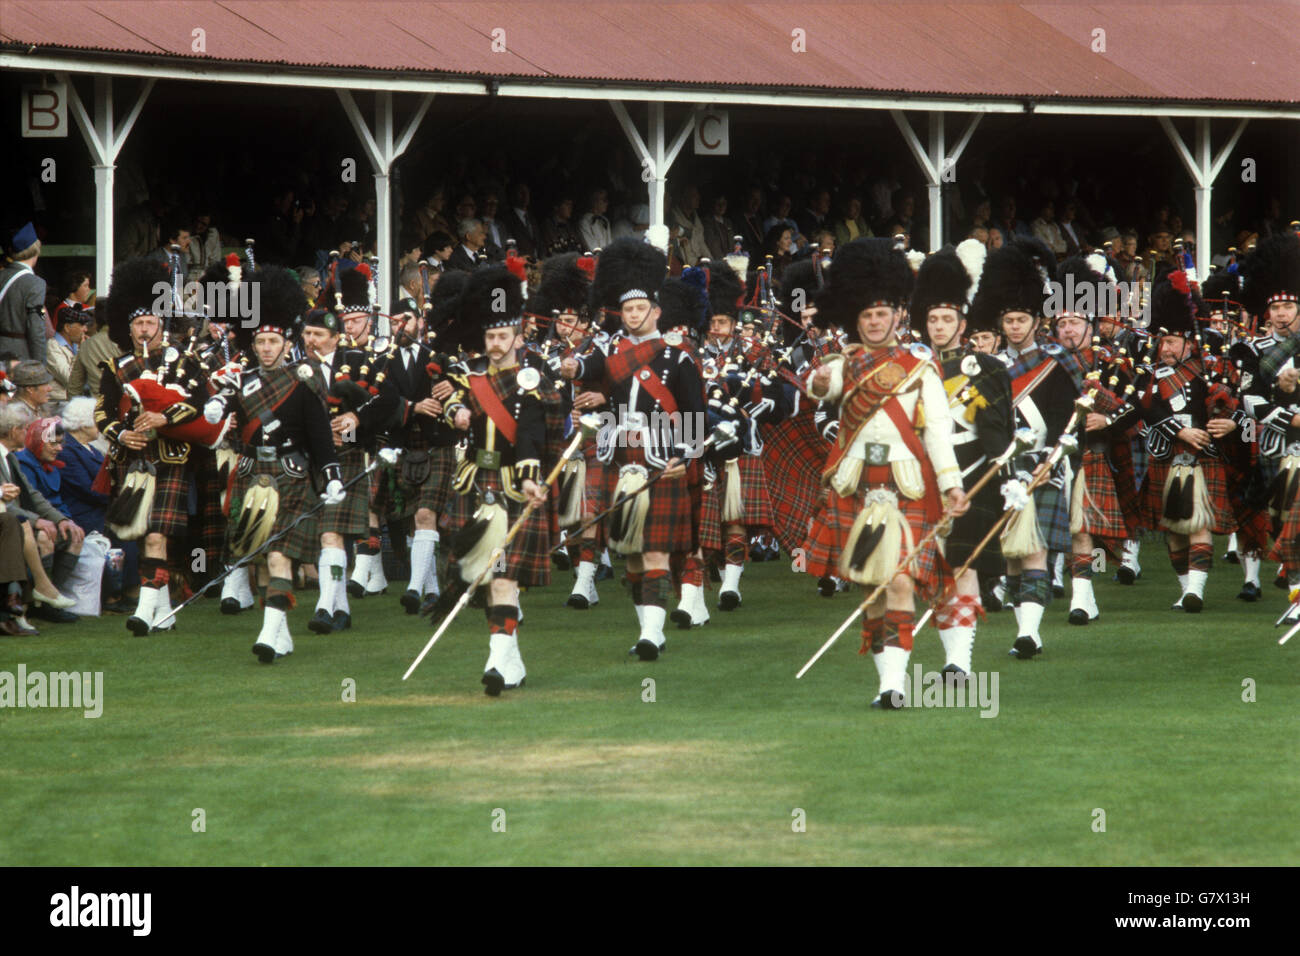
391	495
212	522
832	524
528	557
1216	484
671	521
296	497
753	496
1286	547
793	455
1053	517
969	530
1103	515
351	518
170	512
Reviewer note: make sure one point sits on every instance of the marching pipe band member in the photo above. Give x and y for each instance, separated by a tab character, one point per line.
892	463
654	387
1045	380
147	411
1271	291
284	439
979	397
563	294
1185	485
1097	514
358	407
737	507
511	416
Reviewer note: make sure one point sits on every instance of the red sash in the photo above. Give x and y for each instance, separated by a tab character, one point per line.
1025	378
933	509
629	362
491	403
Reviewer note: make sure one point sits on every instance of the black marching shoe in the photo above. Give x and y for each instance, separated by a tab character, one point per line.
1249	592
645	650
231	606
954	675
1192	603
682	618
1079	617
342	621
728	601
561	560
356	589
889	700
826	586
411	601
578	602
1231	557
1024	649
321	622
137	626
493	683
604	572
1125	574
1280	583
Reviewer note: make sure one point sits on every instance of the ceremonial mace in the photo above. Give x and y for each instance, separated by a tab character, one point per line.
1023	441
588	425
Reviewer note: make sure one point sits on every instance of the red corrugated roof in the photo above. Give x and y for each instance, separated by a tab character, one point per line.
1186	52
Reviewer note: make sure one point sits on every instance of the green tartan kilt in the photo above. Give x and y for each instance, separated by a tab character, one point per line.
296	496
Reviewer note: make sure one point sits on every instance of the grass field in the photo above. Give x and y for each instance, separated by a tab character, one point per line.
1139	714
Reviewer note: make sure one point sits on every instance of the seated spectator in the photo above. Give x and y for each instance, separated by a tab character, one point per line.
61	353
996	239
497	237
851	224
81	462
205	246
980	234
559	234
33	382
1075	242
86	372
309	278
472	237
635	223
1047	231
439	246
718	230
594	225
175	232
825	239
1006	220
782	217
779	244
685	226
816	215
750	224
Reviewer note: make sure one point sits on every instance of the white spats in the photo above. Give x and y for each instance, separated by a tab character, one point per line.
692	605
361	570
270	644
729	593
1182	590
891	667
652	624
236	588
1083	598
1031	616
147	605
423	558
505	659
1058	570
584	586
1195	583
333	589
958	642
377	581
162	609
1250	569
1130	559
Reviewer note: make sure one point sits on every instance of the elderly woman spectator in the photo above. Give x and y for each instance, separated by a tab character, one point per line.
81	462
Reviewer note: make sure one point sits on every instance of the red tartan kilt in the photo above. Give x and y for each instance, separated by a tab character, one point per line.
830	533
671	522
528	556
1103	515
1287	546
753	493
1216	484
170	512
793	456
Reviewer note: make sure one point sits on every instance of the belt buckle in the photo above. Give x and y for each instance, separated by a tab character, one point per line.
876	453
491	460
266	453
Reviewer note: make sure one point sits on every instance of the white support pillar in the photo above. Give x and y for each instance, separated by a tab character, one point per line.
382	152
656	160
1203	169
104	142
935	162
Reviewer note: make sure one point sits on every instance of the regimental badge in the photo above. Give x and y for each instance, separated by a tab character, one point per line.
890	374
171	355
1177	402
970	366
645	374
252	386
673	338
1051	348
921	350
528	378
877	453
304	372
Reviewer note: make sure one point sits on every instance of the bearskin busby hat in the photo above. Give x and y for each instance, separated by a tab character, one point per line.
627	269
1085	287
725	290
797	288
493	299
1173	307
685	304
131	293
1221	286
1015	279
278	306
864	273
355	286
565	284
942	282
1272	273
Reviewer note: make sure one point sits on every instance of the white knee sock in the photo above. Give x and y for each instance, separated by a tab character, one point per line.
331	568
1250	569
957	645
891	667
1031	615
422	558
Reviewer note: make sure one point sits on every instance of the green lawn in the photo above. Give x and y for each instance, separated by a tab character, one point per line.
1139	714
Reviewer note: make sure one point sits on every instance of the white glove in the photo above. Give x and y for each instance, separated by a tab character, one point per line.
226	378
214	411
1015	495
333	493
389	456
